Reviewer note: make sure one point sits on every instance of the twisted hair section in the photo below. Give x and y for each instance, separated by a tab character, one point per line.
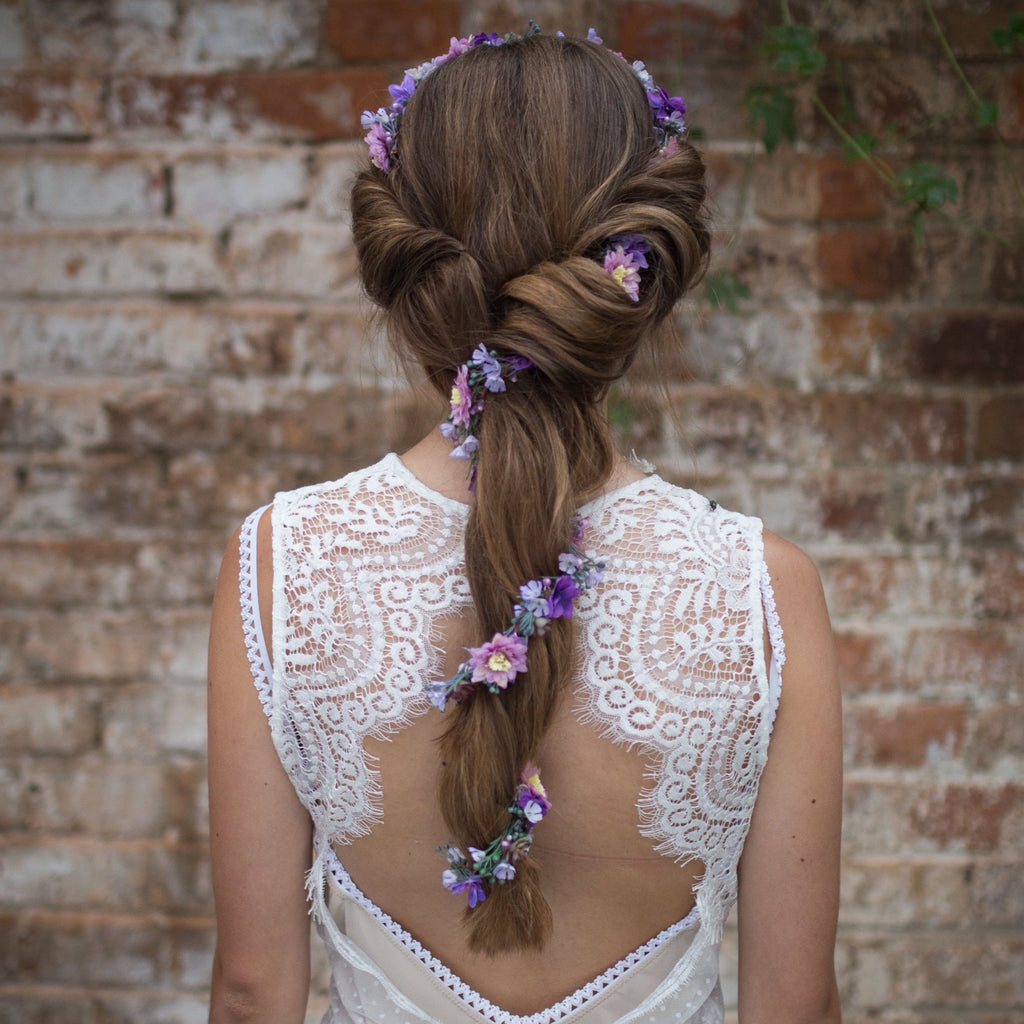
513	167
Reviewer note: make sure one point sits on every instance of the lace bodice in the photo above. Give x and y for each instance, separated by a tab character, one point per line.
671	663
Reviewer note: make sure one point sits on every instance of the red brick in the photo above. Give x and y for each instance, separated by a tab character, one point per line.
978	659
907	735
971	507
980	348
1001	427
997	736
849	190
1003	594
968	817
1006	280
1009	94
651	31
865	662
304	103
848	342
885	428
865	263
856	512
406	30
52	104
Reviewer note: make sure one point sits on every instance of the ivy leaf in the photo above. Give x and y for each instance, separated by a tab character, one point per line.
795	48
863	145
773	107
985	114
1009	38
925	187
724	289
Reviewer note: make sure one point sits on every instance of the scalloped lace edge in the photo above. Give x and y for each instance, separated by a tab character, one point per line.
473	999
775	640
252	627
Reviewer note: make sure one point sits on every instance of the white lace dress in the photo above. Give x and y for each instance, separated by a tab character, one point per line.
672	664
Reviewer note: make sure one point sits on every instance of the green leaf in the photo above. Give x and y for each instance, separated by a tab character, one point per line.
924	186
773	108
795	48
985	114
863	145
1009	38
724	289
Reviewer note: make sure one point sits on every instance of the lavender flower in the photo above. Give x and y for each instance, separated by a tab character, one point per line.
503	871
461	399
625	257
488	362
472	886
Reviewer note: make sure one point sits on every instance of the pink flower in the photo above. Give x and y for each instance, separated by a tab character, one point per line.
462	398
379	143
623	267
499	660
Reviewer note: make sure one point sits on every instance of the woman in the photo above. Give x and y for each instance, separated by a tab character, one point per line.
530	216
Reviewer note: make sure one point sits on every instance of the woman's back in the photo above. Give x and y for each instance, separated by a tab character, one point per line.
671	709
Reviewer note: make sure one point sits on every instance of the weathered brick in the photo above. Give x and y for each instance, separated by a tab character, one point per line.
979	349
293	257
335	170
132	338
274	33
886	428
1001	427
970	659
965	507
849	342
49	104
865	263
970	817
1003	595
1009	94
670	30
299	103
408	30
43	722
869	587
791	187
907	734
93	797
997	740
221	186
903	895
866	662
73	186
147	260
13	43
13	188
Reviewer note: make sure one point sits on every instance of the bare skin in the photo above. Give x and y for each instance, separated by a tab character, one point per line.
608	889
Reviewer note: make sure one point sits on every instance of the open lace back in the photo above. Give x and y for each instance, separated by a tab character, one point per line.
671	665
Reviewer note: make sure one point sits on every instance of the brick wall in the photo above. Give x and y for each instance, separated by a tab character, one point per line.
181	334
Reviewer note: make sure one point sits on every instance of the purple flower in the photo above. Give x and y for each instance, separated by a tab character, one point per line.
466	449
593	37
498	661
531	796
461	399
491	367
489	38
402	92
503	871
379	144
580	527
437	694
562	595
568	562
473	888
533	598
517	363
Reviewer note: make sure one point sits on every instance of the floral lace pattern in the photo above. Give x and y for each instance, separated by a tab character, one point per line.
672	656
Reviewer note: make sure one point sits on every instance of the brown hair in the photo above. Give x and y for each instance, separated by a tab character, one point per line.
513	166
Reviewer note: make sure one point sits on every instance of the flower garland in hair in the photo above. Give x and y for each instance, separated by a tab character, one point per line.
496	863
495	664
485	371
381	127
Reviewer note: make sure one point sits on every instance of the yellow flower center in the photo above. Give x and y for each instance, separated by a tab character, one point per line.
456	396
619	273
534	783
498	663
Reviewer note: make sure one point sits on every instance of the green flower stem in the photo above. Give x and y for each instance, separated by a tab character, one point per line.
881	169
948	50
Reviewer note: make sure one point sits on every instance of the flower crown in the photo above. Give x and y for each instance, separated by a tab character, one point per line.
382	127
